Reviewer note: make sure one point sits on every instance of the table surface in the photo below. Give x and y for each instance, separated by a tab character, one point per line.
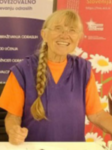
53	146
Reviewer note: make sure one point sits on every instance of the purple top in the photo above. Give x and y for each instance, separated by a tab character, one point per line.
64	102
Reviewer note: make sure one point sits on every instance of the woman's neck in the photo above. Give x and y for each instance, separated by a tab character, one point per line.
56	58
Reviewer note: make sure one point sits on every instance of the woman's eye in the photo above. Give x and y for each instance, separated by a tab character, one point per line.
58	28
73	30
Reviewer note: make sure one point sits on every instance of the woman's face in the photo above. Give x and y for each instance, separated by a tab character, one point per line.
61	38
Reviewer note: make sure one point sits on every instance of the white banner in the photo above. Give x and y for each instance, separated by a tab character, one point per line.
36	9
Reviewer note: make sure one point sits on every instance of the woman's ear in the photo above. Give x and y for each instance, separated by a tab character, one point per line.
44	35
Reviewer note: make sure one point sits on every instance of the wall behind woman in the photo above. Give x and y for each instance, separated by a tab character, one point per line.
20	31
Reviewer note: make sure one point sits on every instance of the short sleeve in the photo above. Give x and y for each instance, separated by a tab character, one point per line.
93	104
12	97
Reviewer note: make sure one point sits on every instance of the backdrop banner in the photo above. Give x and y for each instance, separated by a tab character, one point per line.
96	47
20	24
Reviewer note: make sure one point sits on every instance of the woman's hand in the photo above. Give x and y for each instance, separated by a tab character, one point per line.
17	134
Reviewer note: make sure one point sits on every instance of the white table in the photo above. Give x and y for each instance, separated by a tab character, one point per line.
53	146
110	145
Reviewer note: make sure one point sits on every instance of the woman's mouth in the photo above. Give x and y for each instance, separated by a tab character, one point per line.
63	43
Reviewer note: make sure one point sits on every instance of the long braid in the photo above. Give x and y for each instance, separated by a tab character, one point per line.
37	109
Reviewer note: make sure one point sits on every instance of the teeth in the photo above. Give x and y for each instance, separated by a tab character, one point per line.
63	43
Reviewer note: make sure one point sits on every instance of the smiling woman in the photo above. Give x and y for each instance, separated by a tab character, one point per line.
48	94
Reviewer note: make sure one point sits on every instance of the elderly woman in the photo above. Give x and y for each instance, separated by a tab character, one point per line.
48	94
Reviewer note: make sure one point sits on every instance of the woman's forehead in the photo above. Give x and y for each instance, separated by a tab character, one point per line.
64	21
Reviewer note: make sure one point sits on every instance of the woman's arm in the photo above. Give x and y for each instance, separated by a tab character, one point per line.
15	132
103	120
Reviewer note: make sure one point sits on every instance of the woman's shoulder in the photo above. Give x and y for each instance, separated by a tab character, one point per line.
28	61
82	66
26	66
78	60
24	69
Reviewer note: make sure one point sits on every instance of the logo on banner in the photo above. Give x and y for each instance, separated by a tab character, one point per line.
93	26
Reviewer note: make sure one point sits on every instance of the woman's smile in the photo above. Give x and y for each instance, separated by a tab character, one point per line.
63	43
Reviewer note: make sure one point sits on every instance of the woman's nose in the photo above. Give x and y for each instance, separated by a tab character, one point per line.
65	33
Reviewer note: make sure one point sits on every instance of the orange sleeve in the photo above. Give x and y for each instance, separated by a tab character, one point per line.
93	104
12	97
